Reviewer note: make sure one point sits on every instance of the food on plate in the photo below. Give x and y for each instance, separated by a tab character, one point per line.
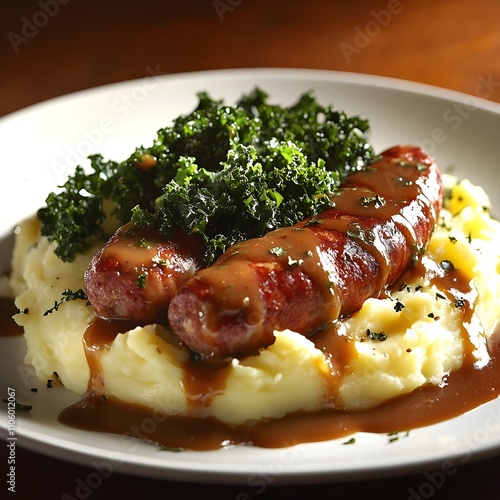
368	290
304	277
222	172
112	279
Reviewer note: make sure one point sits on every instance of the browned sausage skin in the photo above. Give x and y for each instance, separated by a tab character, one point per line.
138	271
321	269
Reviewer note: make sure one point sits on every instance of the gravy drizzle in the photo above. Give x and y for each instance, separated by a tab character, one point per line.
476	383
472	385
465	389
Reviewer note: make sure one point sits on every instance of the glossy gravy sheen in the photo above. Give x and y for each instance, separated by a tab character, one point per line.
306	275
465	389
472	385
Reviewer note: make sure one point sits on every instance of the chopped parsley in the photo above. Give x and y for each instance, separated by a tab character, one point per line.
295	262
394	436
141	280
313	222
224	172
356	231
380	336
399	306
67	296
376	201
278	251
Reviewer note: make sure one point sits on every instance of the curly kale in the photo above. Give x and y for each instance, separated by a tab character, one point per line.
251	195
225	172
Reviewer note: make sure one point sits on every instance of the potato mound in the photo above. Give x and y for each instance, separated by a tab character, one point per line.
422	341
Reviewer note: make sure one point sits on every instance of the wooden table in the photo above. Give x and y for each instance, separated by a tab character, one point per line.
53	47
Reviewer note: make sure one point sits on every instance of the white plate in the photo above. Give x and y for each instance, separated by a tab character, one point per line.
40	145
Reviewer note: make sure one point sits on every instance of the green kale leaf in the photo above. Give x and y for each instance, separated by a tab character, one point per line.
225	172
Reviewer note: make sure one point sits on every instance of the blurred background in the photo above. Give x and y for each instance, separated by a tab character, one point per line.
53	47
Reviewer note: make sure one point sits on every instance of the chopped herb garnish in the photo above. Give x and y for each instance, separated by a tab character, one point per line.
278	251
313	222
357	232
394	436
377	201
399	306
67	296
145	243
350	441
295	262
380	336
141	280
159	260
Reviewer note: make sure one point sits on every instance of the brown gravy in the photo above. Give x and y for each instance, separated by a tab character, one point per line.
465	389
9	327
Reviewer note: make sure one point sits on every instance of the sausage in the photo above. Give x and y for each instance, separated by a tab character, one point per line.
319	270
138	271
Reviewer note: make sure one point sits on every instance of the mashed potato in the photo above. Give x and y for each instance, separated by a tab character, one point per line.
420	335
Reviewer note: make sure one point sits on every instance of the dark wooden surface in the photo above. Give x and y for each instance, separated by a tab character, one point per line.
53	47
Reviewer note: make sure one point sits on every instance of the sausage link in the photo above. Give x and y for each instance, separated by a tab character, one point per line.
318	270
137	273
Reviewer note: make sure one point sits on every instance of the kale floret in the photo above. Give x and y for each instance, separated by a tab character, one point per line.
225	172
251	195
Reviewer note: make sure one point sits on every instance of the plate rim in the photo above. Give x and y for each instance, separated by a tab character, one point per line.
327	75
330	76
